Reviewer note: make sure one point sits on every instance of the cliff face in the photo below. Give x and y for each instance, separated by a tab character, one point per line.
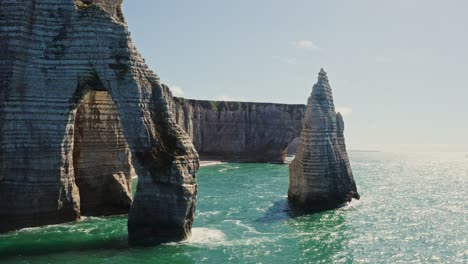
240	131
320	175
80	113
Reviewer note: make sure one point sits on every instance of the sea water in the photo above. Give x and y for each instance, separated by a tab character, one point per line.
413	210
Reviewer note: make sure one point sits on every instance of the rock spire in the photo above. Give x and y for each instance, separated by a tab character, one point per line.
320	175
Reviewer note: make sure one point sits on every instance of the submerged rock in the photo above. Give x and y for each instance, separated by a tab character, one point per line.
320	176
80	114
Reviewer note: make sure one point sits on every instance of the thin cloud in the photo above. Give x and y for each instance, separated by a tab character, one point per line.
344	110
305	44
382	59
177	90
373	126
285	59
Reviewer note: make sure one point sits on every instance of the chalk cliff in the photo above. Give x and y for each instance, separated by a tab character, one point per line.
320	175
80	114
240	131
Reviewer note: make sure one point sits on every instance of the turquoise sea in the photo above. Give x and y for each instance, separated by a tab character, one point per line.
413	209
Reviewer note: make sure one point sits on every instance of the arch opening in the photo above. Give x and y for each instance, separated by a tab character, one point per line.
101	157
288	153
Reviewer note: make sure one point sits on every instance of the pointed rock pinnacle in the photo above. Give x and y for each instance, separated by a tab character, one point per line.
322	75
320	176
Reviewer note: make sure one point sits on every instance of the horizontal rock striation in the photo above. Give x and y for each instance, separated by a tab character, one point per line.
320	175
80	109
240	131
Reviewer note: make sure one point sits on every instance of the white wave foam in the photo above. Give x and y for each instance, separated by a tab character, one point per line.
30	229
87	218
252	241
85	230
240	224
228	167
205	236
351	206
209	213
45	227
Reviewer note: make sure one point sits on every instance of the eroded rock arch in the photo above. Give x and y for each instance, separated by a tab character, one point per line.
290	149
46	58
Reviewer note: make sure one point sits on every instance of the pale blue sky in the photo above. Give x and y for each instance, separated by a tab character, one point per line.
398	69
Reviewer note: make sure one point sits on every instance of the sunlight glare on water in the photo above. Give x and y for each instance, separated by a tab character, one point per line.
413	209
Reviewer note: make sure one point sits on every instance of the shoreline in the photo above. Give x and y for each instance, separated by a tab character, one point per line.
205	163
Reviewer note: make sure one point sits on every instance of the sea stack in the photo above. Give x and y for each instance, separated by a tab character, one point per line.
320	176
80	113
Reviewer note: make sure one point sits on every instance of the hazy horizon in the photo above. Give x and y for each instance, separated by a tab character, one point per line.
396	68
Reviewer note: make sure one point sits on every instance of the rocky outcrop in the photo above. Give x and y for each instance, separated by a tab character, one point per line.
80	113
320	175
240	131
